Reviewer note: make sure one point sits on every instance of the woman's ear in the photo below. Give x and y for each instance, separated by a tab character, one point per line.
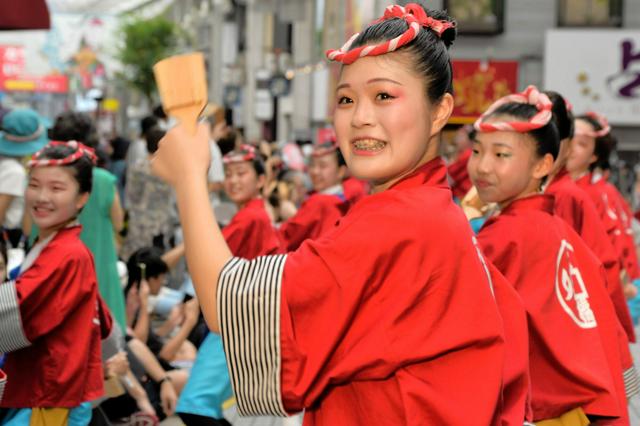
543	167
82	200
441	113
262	179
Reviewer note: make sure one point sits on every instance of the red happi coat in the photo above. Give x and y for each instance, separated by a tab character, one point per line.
56	360
576	207
574	334
625	216
389	319
317	215
607	211
516	386
250	233
460	180
354	189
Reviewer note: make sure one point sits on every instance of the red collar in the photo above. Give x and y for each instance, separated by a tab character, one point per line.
561	177
254	203
542	202
432	173
585	180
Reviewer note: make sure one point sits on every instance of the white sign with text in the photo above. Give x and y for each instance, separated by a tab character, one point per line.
596	70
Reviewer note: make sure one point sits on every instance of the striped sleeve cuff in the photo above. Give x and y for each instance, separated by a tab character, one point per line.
12	335
631	383
249	317
3	381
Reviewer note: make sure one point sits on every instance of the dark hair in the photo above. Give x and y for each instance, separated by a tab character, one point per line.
151	257
158	111
429	51
102	158
82	168
547	138
561	114
119	146
258	165
153	136
147	123
604	145
228	142
72	126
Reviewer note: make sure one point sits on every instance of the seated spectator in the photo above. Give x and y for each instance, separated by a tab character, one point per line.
169	342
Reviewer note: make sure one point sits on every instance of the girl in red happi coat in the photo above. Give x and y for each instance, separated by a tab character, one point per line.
576	207
574	334
51	317
320	212
250	232
590	149
374	322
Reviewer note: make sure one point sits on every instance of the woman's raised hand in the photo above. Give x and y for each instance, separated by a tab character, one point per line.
182	156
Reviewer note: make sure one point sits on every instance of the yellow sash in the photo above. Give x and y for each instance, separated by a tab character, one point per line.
575	417
49	417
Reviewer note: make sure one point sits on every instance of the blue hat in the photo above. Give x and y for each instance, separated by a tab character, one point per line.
23	133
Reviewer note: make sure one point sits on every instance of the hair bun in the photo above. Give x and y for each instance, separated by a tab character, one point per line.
450	34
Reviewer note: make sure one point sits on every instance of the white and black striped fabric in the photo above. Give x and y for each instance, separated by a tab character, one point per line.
631	382
11	333
249	317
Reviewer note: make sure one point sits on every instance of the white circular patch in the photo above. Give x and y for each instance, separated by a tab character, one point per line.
570	289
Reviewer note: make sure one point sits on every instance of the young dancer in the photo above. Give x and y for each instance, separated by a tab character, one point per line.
50	321
590	148
320	212
244	178
575	206
376	322
575	363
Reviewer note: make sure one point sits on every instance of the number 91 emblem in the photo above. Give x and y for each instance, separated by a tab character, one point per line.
570	289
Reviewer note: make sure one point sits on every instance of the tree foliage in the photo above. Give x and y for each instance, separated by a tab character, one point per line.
144	42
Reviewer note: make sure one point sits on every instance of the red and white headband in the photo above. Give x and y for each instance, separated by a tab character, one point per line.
79	150
416	18
605	128
324	148
531	96
244	153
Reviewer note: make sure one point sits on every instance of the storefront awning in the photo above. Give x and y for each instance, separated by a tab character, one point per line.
24	15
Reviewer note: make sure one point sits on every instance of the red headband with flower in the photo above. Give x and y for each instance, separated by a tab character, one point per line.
79	150
244	153
416	18
605	128
531	96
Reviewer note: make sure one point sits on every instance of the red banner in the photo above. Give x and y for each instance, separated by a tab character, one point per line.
477	84
12	77
11	60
